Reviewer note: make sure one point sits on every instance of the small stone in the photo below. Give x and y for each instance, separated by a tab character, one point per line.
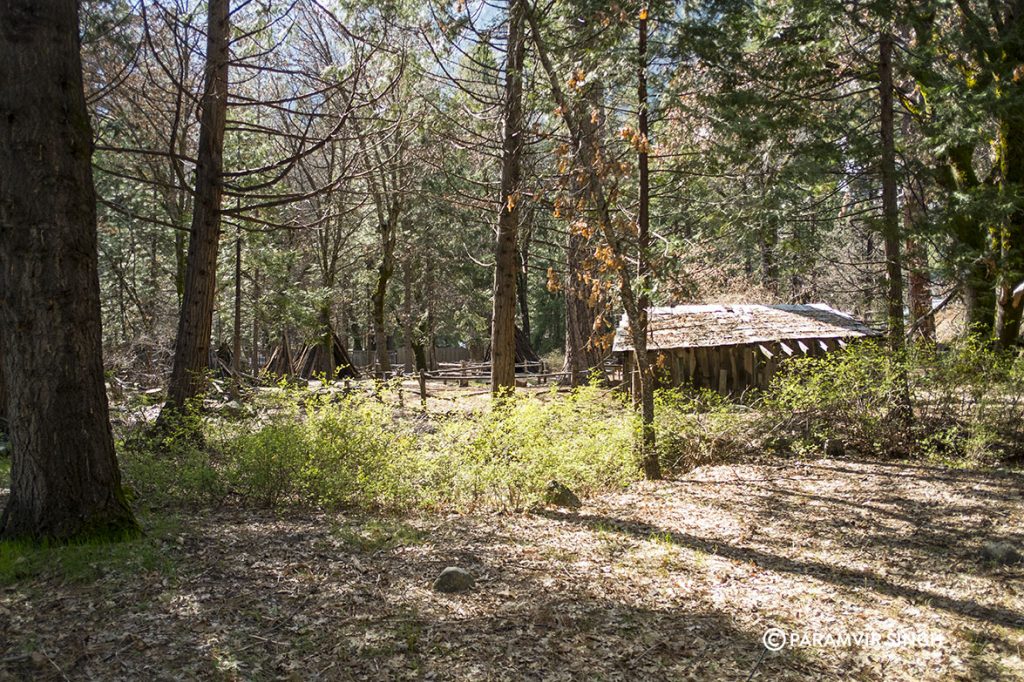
454	579
835	448
779	445
561	496
1002	553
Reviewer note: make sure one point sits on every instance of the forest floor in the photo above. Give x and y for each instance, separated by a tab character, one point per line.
673	580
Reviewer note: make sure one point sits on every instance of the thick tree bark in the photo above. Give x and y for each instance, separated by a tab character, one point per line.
192	345
379	298
1011	243
326	355
503	354
890	207
585	302
891	228
64	475
652	468
583	356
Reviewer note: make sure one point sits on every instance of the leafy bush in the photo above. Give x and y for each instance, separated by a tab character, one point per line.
845	397
967	401
358	455
328	449
170	465
505	457
331	450
696	428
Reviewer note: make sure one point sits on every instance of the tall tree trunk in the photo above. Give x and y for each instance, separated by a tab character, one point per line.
583	356
503	352
586	150
890	207
378	300
326	366
64	476
652	468
585	300
407	315
891	227
1011	242
192	345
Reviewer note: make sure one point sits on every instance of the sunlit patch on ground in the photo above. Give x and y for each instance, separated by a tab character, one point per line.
675	580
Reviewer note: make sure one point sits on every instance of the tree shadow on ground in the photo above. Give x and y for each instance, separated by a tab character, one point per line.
259	597
925	530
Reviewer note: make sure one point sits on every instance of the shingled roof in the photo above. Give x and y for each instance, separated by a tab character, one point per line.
694	326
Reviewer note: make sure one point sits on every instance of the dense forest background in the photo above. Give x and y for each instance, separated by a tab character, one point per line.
362	158
258	259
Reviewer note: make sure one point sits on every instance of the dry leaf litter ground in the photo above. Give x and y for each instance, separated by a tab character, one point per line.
676	580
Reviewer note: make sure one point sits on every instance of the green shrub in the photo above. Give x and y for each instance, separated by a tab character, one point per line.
845	397
170	465
505	457
699	427
331	450
358	455
967	401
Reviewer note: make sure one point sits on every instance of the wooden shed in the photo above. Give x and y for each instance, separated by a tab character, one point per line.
732	348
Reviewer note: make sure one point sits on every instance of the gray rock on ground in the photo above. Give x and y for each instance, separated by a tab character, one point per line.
454	579
835	448
561	496
1002	553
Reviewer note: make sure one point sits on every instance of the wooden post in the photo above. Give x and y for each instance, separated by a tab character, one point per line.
735	367
634	379
423	389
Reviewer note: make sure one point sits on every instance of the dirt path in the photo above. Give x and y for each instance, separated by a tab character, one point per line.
671	581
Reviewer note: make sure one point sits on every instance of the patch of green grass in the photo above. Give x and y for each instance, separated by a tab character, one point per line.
88	560
662	539
699	558
379	534
5	472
